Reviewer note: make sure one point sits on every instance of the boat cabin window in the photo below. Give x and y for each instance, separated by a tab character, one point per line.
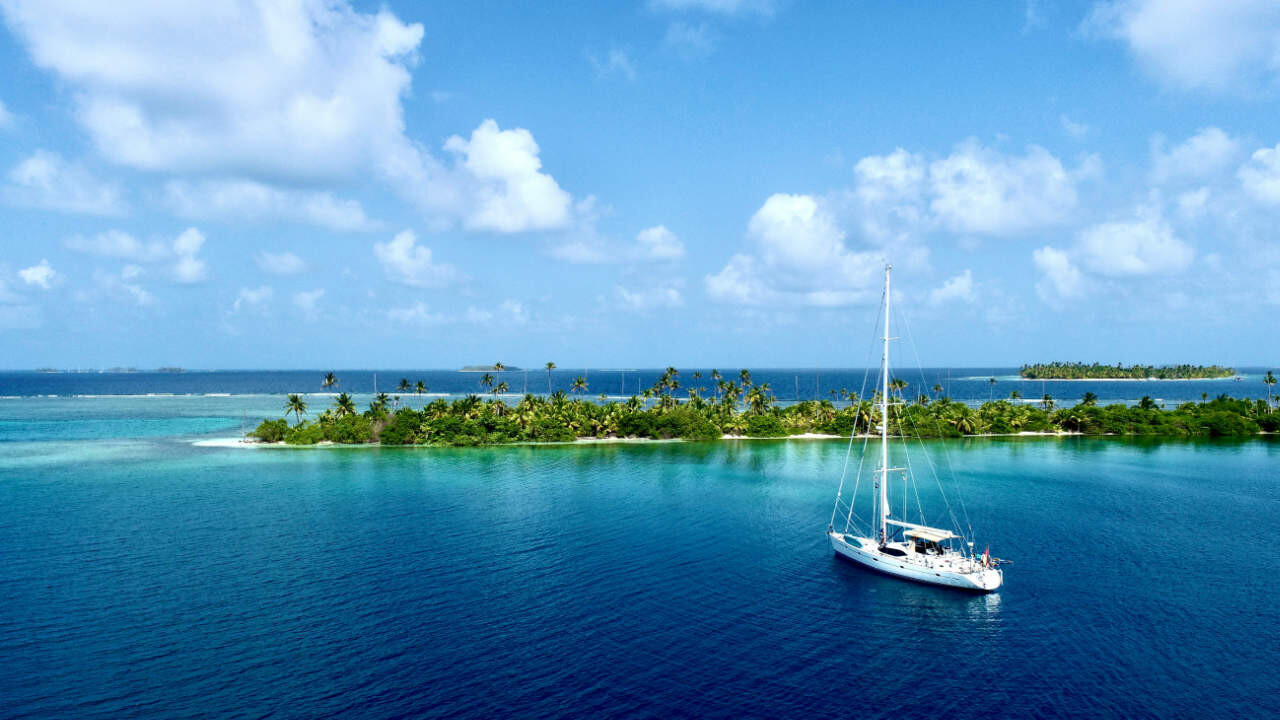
927	547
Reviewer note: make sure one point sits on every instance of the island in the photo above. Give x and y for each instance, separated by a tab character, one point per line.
729	409
1097	371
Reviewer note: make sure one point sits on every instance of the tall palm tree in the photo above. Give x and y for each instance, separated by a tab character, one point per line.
991	388
1146	403
500	388
1089	399
404	385
579	385
381	400
420	388
1014	395
937	389
550	366
1270	380
1047	401
715	375
330	381
344	405
296	405
487	381
744	376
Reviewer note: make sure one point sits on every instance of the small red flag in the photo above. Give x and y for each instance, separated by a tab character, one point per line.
986	556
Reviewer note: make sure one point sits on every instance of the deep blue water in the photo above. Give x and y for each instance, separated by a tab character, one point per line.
144	576
788	384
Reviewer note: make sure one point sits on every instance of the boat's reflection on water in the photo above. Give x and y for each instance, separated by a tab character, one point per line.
916	604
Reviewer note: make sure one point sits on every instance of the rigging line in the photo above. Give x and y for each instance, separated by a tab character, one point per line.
857	409
945	455
915	487
849	450
955	522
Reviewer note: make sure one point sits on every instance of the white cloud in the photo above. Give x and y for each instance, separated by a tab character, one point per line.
589	251
665	295
416	314
41	275
690	41
123	284
189	268
959	288
1062	279
510	192
896	176
406	262
1074	129
1146	246
981	190
255	201
284	263
46	181
1260	176
273	89
117	244
800	257
658	243
306	300
253	299
1195	43
617	62
1207	152
1194	203
514	312
718	7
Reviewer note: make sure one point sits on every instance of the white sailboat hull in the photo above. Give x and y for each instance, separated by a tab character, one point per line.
953	571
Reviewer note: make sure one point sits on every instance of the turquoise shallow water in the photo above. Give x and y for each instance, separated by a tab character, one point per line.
144	576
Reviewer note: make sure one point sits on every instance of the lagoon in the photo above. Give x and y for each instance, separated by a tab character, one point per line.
146	576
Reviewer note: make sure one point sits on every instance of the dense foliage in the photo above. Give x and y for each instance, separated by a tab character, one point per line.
1082	371
744	409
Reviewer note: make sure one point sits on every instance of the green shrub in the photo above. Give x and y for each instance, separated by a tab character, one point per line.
349	430
765	426
308	433
271	431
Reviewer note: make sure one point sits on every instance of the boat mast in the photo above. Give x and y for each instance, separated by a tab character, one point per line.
884	417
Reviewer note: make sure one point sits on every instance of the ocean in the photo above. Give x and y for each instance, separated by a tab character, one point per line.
145	575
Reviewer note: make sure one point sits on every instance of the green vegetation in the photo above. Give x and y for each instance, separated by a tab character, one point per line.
1094	371
742	408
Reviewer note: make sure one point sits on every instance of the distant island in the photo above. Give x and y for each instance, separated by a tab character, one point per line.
489	368
1096	371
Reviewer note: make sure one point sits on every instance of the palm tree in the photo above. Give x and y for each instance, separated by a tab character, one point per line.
579	385
381	400
991	388
330	381
937	389
344	405
744	376
296	405
487	381
404	385
1269	380
501	388
550	366
1146	403
1047	401
420	388
715	375
1089	399
897	384
1014	395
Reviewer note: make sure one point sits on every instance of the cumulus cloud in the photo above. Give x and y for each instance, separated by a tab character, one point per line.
1146	246
44	180
255	201
41	275
406	262
416	314
1062	279
1206	153
253	299
189	268
123	285
799	257
959	288
658	243
117	244
306	300
1074	129
978	189
270	95
666	295
1196	44
504	176
1260	176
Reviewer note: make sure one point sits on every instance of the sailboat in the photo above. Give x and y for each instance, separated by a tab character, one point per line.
894	546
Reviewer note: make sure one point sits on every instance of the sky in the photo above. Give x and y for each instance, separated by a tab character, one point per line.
339	184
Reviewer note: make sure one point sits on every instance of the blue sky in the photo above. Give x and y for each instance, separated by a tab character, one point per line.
689	182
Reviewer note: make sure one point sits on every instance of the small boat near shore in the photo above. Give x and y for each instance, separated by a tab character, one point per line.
893	545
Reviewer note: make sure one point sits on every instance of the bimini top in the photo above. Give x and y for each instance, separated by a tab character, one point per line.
924	532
